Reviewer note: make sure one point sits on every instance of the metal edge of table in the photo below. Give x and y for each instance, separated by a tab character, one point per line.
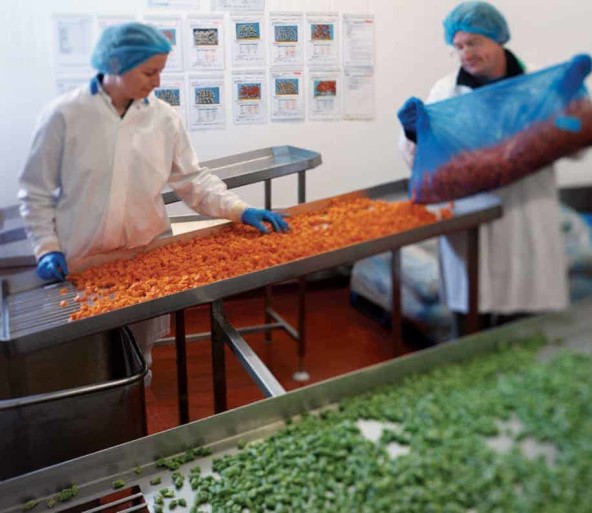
94	473
306	159
242	283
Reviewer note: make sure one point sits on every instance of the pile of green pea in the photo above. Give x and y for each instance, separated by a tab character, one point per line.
322	463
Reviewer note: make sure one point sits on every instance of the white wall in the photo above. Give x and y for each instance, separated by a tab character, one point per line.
410	56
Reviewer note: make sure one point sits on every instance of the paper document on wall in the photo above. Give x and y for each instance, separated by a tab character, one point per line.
358	93
287	95
192	4
322	39
248	42
238	5
358	40
249	97
64	84
324	95
172	29
172	91
205	43
73	38
286	39
206	102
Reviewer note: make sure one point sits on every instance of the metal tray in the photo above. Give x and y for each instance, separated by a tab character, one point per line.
31	317
236	170
95	473
256	166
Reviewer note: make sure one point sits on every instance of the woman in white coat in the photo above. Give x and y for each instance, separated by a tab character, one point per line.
522	268
101	155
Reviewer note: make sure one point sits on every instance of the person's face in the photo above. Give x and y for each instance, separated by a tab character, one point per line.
139	82
480	56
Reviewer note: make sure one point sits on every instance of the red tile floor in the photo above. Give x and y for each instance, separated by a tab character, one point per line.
340	339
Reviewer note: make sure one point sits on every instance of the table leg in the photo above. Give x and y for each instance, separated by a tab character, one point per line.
182	388
218	359
396	317
473	279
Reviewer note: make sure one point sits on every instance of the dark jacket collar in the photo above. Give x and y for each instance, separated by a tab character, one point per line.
513	69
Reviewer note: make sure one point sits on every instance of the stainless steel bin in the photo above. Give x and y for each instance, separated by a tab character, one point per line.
69	400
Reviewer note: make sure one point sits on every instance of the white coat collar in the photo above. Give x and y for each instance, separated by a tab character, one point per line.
96	87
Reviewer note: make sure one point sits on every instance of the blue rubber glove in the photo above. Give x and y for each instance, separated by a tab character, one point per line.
256	216
52	266
407	115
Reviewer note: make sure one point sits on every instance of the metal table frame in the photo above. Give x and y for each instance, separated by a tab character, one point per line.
53	327
95	473
273	321
223	333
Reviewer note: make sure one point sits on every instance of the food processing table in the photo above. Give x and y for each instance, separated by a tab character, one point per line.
137	466
33	319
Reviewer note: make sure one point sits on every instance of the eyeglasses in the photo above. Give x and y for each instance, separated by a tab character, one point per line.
468	46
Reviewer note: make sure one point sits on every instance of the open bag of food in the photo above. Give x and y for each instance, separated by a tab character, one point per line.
500	133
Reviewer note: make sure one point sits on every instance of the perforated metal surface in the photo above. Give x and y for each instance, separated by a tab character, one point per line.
33	319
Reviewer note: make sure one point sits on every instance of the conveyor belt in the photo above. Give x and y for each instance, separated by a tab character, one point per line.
94	474
33	319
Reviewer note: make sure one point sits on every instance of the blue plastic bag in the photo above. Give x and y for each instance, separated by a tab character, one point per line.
498	133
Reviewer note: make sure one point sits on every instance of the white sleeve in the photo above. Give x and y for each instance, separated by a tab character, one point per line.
40	182
205	193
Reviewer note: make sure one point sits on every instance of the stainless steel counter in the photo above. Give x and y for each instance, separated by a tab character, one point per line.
94	474
32	319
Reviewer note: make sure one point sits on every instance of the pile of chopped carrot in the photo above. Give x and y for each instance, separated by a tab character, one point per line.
240	249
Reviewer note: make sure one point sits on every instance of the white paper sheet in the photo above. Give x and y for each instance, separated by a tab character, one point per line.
238	5
322	47
324	95
175	4
287	95
286	38
206	102
249	97
358	40
73	38
358	93
205	43
108	21
172	91
248	41
64	84
172	28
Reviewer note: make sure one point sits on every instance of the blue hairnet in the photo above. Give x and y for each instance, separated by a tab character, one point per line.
476	18
123	47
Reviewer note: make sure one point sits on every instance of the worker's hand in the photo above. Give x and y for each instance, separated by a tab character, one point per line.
52	266
407	115
256	216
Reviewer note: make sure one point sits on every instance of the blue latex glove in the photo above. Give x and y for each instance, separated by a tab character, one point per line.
52	266
407	115
256	216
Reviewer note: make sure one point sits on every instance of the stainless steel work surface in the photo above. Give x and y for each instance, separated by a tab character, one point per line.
256	166
32	319
134	462
235	171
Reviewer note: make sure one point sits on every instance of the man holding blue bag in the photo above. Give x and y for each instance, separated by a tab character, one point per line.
521	260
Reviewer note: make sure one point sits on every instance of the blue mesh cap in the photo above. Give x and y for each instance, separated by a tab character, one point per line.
476	18
123	47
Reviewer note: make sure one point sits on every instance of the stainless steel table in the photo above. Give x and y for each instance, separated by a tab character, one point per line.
94	474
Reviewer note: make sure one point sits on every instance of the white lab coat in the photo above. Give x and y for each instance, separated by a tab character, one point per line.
93	180
522	266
